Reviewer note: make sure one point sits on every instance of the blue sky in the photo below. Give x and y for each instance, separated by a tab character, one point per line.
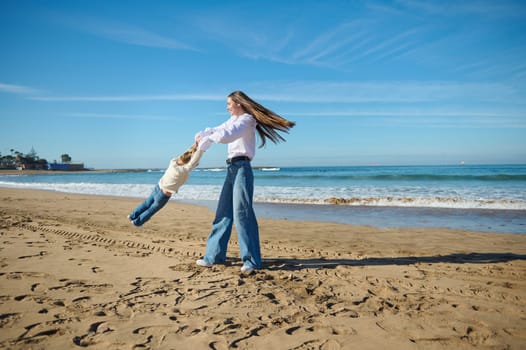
125	84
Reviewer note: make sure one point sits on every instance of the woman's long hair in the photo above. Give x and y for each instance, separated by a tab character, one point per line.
268	122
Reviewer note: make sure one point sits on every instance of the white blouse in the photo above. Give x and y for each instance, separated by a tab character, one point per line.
239	132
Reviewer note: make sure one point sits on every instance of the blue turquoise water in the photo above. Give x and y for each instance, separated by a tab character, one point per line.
494	194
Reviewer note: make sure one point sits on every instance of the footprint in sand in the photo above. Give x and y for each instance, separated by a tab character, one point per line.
8	319
94	330
41	253
35	332
83	298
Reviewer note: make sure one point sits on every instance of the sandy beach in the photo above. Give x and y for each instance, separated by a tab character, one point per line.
75	273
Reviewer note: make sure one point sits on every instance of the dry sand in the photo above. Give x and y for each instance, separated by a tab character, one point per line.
75	273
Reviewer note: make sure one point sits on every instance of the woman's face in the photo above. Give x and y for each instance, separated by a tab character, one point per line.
234	108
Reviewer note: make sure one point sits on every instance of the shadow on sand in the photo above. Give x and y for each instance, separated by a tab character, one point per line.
459	258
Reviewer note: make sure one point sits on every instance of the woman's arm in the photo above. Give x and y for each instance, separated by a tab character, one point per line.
206	132
233	129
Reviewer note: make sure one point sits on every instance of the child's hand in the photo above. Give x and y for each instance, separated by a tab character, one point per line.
199	136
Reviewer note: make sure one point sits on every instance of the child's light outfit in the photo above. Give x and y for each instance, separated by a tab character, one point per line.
174	177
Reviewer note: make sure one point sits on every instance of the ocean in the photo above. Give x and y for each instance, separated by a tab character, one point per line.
489	198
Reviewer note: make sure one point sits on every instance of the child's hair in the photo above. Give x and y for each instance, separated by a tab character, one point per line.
187	155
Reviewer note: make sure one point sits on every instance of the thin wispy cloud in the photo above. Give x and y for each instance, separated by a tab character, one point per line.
132	98
332	92
482	8
119	116
388	46
499	63
424	117
384	92
17	89
138	36
122	32
519	71
473	66
514	66
414	32
407	117
335	47
420	113
329	42
452	122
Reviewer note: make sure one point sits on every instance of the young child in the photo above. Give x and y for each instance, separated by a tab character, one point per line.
174	177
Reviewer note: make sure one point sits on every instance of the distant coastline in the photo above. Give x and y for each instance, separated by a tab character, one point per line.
91	171
49	172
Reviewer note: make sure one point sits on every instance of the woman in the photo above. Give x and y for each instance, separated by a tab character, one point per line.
235	201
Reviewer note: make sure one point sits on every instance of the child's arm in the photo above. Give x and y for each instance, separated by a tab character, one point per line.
194	161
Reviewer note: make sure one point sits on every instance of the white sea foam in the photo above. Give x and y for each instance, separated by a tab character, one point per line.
270	169
215	170
366	196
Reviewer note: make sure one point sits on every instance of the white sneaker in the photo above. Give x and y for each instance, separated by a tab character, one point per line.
247	269
133	223
203	263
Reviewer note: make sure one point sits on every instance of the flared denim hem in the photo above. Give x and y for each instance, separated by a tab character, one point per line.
235	208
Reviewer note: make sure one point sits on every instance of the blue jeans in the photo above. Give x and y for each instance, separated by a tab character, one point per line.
235	207
151	205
